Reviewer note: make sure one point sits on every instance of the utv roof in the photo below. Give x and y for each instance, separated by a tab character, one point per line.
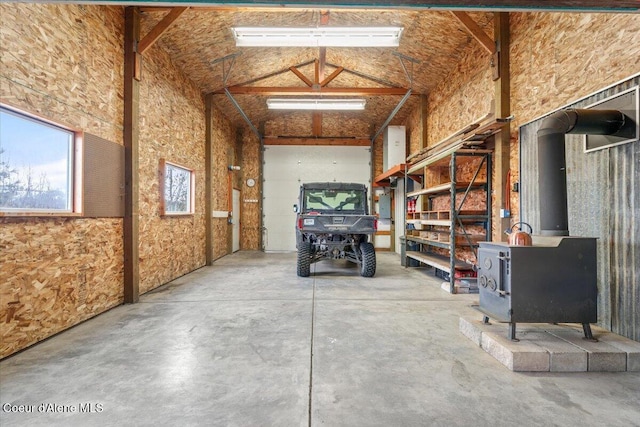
334	186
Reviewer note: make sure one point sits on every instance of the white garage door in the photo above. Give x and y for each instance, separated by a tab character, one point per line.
287	167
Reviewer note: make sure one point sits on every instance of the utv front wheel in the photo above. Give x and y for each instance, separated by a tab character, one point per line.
304	259
368	267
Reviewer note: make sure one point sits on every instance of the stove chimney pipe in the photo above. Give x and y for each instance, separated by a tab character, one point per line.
552	181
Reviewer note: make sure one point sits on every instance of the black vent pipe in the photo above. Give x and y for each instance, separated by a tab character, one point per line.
552	181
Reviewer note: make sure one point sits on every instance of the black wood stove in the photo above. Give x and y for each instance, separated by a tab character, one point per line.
552	281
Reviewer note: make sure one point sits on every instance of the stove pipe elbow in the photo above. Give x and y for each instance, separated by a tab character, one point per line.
552	180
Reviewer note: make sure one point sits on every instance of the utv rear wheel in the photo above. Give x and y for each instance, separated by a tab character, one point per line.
368	267
304	259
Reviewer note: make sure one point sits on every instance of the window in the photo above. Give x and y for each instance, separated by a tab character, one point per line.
176	189
39	165
328	201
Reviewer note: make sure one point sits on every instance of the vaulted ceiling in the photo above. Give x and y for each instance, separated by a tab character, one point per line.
200	42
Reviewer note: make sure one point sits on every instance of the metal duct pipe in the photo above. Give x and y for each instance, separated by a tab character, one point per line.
552	181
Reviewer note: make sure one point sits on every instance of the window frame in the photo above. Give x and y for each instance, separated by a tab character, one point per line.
164	164
75	165
630	108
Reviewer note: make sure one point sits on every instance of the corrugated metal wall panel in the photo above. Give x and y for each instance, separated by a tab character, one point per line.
529	208
625	240
603	202
587	175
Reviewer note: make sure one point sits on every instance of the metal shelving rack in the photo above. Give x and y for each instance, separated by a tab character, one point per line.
455	217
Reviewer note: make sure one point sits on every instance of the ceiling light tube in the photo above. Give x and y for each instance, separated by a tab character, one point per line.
316	104
317	37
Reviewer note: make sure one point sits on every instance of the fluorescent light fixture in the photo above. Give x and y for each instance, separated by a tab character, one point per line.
318	36
316	104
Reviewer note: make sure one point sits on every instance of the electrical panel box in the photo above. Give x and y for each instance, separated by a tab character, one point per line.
394	149
384	206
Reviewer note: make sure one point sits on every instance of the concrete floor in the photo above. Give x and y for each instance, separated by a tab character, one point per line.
248	343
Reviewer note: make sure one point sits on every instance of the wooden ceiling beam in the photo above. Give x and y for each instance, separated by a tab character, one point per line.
267	76
339	91
159	29
316	123
316	117
316	76
474	29
301	76
131	139
502	141
322	63
331	76
324	17
364	76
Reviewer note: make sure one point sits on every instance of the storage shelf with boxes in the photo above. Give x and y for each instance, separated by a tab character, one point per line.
452	211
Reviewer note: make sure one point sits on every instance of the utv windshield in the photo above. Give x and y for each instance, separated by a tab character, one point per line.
331	201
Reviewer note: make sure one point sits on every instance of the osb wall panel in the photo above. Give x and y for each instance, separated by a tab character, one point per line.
414	125
237	159
557	58
465	95
224	154
289	124
56	273
251	197
342	124
378	146
64	63
476	200
172	127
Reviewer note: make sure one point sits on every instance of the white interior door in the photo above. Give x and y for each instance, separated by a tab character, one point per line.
286	167
235	216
